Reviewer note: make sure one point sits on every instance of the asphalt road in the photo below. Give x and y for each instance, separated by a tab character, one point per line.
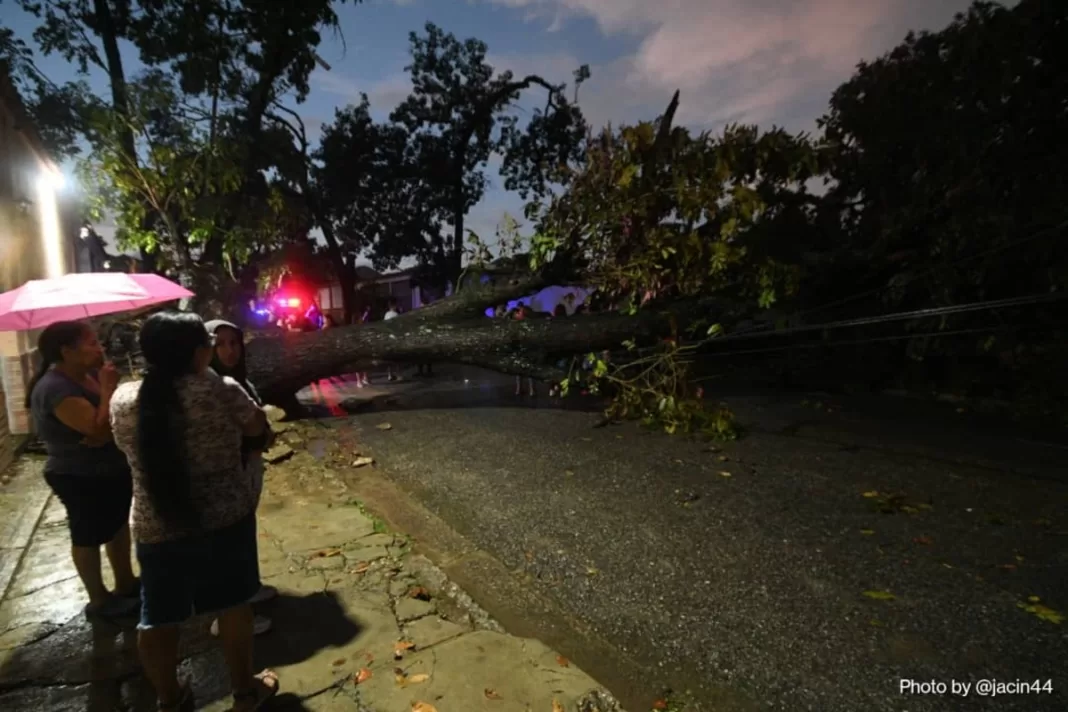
763	567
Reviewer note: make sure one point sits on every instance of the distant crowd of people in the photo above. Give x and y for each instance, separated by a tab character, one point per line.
171	463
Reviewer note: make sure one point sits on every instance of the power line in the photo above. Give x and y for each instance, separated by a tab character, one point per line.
881	339
872	292
899	316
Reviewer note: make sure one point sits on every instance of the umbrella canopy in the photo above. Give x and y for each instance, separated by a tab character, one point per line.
41	302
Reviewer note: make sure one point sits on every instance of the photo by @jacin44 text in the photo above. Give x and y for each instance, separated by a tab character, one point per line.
976	688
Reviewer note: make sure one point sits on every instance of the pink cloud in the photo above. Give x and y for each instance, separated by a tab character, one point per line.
746	60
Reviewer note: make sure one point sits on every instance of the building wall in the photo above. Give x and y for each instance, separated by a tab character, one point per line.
33	244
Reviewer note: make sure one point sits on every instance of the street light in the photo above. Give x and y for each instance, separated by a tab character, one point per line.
49	182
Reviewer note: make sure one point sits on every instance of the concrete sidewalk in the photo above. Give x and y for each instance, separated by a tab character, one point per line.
360	624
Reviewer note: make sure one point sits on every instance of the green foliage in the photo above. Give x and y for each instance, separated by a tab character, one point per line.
683	216
179	155
457	117
949	151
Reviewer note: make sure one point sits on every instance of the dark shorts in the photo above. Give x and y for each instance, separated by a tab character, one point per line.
98	506
203	573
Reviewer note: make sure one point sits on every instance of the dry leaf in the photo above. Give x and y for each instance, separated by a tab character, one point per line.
724	473
401	645
400	678
362	461
419	593
879	595
419	677
361	568
1044	612
384	426
870	494
423	707
590	571
569	473
339	661
491	694
867	532
660	704
557	707
723	458
562	661
363	675
326	553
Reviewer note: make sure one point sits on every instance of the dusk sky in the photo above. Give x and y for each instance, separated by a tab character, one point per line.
758	61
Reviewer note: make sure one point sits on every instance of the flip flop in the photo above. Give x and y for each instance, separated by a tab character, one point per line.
259	695
114	607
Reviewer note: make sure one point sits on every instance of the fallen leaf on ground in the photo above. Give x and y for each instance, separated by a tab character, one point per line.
419	677
723	458
557	707
924	540
1044	612
590	571
361	568
1019	558
867	532
384	426
363	675
326	553
562	661
870	494
423	707
339	661
419	593
724	473
401	645
660	705
362	461
879	595
569	473
491	694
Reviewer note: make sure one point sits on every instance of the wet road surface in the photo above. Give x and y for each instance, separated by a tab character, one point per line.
813	565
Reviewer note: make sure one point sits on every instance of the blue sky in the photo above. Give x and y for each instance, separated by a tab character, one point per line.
759	61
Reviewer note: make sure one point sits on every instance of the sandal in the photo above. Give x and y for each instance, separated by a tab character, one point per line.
250	700
185	702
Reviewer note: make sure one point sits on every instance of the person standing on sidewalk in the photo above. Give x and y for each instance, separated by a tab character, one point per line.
391	313
193	517
69	399
228	359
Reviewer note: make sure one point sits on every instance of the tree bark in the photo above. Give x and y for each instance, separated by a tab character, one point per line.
282	364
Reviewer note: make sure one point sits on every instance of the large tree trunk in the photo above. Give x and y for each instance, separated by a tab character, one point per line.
282	364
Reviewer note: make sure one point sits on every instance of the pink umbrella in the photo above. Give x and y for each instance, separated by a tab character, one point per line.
41	302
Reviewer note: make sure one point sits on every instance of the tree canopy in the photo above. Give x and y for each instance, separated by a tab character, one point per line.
941	164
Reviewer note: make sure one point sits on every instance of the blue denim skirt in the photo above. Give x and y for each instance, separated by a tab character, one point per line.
203	573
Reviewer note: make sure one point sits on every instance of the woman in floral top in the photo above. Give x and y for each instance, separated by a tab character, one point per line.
193	517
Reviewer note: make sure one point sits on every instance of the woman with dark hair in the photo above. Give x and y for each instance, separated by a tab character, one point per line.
228	359
193	518
69	399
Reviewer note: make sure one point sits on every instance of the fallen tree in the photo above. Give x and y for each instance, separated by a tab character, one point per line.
455	331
